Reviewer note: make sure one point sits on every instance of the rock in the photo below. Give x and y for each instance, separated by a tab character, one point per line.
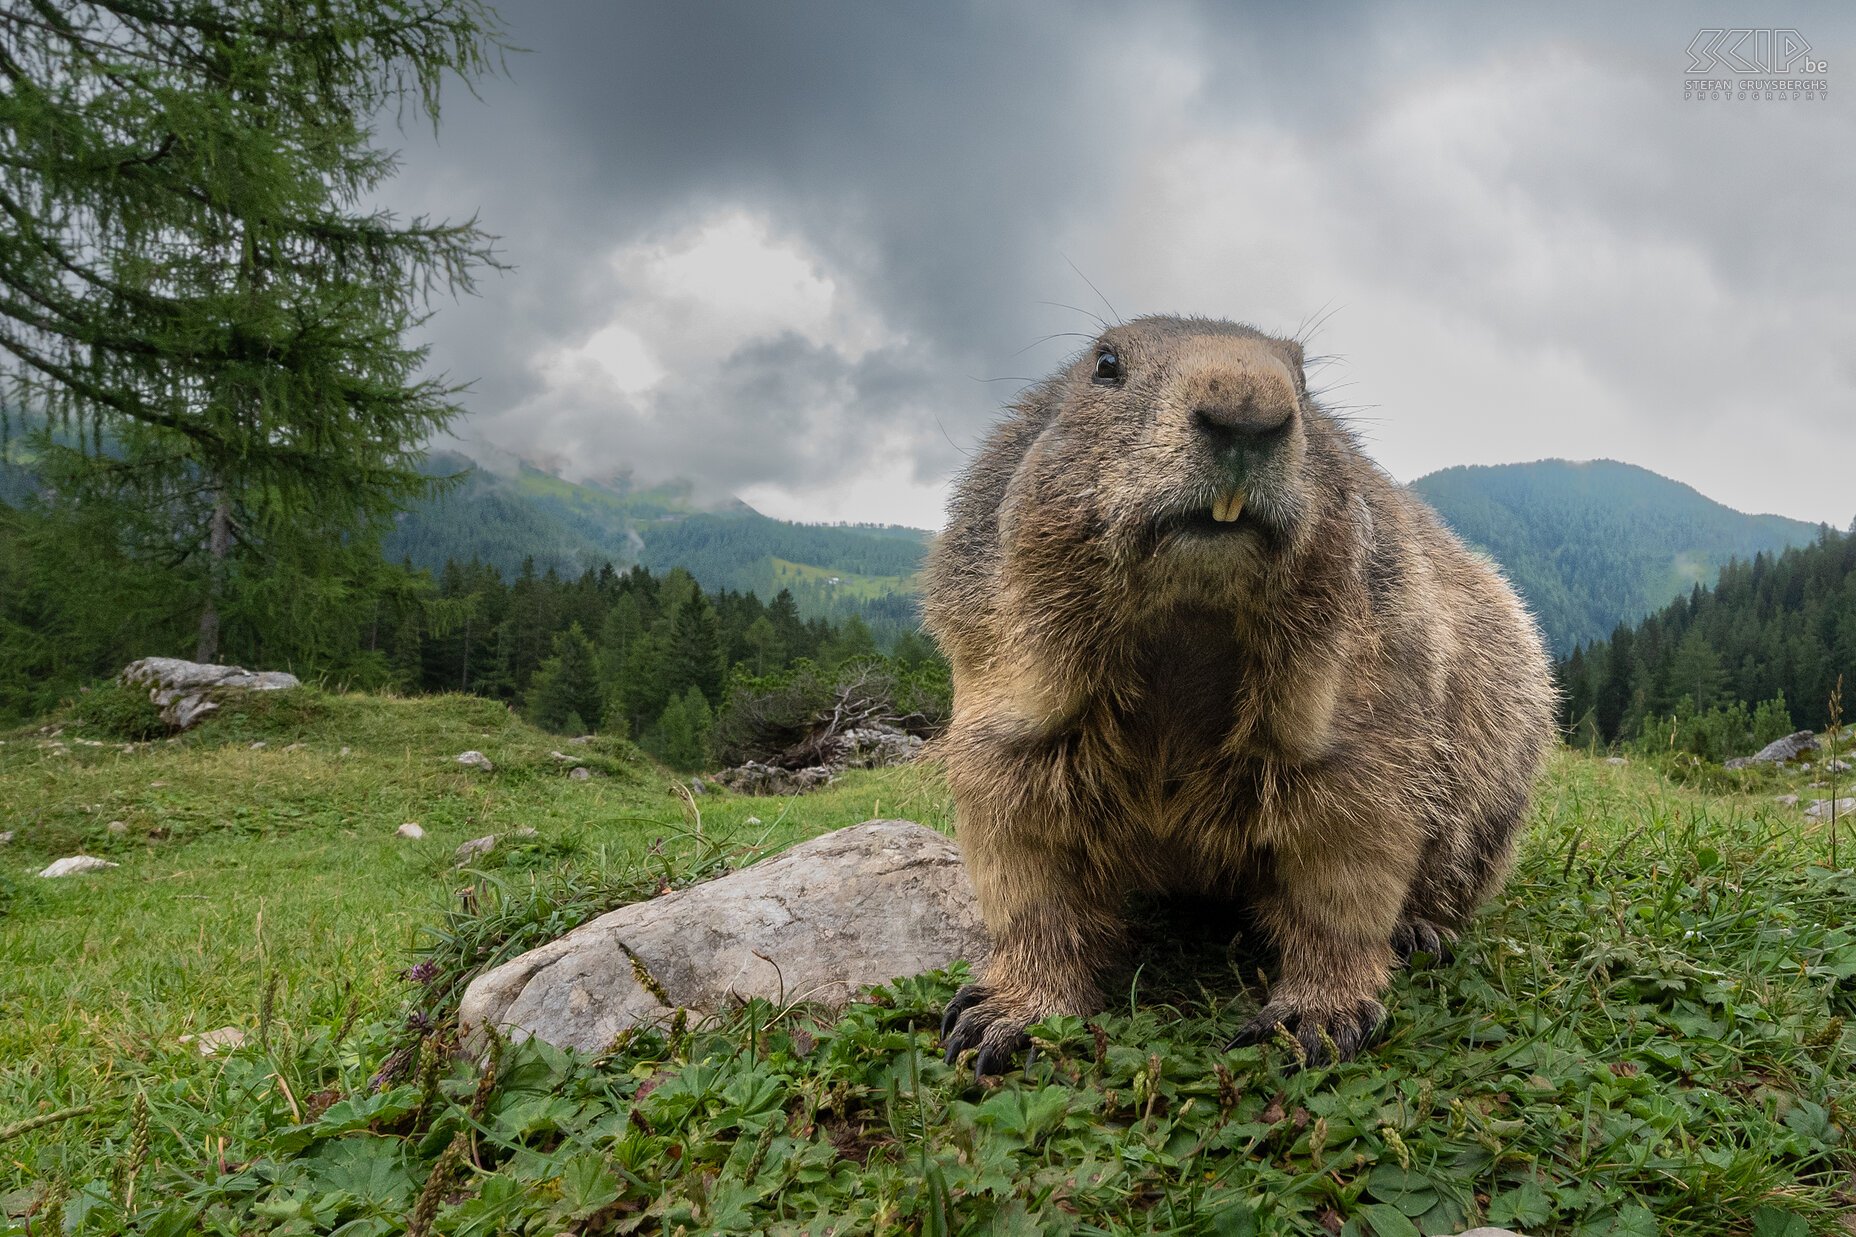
222	1039
259	745
294	747
1616	760
186	691
1839	766
411	830
1787	800
752	820
344	751
473	848
487	843
562	756
582	740
877	747
118	827
754	778
830	916
1820	809
1779	751
6	837
697	787
476	760
74	864
580	773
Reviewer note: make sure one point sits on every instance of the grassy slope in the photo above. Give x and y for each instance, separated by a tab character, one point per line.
786	574
1645	1029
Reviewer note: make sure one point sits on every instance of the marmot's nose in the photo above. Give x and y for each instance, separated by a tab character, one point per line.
1242	422
1240	406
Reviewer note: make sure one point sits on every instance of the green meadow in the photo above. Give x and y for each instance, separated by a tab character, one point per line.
1646	1033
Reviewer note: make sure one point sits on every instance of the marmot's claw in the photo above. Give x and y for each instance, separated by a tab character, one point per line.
1347	1030
1422	936
975	1020
964	1000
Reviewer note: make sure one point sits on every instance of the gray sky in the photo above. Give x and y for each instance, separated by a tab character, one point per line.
801	253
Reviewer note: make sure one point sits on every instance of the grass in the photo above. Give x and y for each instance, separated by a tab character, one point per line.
849	584
1646	1033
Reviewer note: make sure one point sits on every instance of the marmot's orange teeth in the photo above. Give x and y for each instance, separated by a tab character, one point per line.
1229	507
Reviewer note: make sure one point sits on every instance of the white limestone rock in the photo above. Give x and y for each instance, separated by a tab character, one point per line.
186	691
857	907
74	865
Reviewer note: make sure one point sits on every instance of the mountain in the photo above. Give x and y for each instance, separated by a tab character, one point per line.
504	515
1592	544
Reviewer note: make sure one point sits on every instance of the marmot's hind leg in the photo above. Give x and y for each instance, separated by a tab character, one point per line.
1461	867
1415	935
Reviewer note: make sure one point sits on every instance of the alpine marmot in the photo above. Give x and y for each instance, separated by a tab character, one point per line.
1202	645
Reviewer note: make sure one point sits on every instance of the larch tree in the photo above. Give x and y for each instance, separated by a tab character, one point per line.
204	313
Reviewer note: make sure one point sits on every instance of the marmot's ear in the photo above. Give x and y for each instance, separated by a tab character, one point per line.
1292	353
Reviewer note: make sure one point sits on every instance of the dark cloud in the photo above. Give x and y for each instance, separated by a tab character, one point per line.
1536	246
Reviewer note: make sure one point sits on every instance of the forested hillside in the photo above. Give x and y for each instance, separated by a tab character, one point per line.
1592	544
1775	628
506	517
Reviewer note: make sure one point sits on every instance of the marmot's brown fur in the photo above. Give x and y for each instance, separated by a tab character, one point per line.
1201	644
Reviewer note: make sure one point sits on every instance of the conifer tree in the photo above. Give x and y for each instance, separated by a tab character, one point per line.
199	299
566	694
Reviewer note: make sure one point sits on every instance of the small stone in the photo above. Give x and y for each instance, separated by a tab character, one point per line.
6	837
753	820
222	1039
582	740
697	787
563	756
473	848
476	760
1616	760
344	751
260	745
410	830
294	747
72	865
156	785
580	773
119	827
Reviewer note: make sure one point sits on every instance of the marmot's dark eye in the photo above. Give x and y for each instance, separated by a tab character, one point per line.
1108	368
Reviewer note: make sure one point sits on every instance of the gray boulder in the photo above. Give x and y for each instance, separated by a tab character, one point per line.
755	778
187	691
877	747
1821	809
817	923
1779	751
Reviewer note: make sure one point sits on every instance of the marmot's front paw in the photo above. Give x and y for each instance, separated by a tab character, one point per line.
976	1018
1347	1028
1416	935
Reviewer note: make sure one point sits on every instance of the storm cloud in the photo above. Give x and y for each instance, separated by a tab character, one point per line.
804	253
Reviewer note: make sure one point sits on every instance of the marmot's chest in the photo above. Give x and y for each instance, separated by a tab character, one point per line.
1191	677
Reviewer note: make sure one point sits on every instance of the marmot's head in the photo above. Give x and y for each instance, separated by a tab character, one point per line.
1185	443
